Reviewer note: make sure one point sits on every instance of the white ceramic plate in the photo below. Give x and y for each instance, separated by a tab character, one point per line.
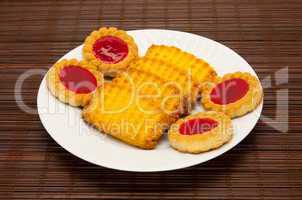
66	127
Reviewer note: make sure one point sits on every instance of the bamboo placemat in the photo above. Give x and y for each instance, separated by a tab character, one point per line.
266	165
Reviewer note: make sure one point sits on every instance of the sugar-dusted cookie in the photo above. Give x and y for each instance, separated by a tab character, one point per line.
73	82
110	50
200	132
234	94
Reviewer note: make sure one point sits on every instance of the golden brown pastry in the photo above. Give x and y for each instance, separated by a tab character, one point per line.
197	69
136	108
143	101
200	132
110	50
73	82
234	94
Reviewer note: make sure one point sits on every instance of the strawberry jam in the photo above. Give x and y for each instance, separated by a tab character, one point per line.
229	91
78	79
110	49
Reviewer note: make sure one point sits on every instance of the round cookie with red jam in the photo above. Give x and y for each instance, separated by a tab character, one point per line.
110	49
234	94
73	82
200	132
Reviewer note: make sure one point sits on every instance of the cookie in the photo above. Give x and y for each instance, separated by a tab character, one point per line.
73	82
200	132
234	94
110	50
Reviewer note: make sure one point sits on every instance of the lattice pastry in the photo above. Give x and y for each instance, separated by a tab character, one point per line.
148	97
195	68
121	112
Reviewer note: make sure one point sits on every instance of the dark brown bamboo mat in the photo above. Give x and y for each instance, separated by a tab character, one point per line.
266	165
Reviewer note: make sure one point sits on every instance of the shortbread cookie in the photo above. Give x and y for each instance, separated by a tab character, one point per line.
234	94
136	107
197	69
117	111
200	132
110	49
73	82
141	102
171	76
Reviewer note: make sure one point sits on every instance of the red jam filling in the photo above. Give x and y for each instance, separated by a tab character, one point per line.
78	79
197	126
110	49
229	91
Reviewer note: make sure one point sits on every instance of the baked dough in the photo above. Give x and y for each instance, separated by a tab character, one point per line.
196	70
145	99
142	101
114	113
215	130
76	94
172	76
234	94
136	107
110	50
